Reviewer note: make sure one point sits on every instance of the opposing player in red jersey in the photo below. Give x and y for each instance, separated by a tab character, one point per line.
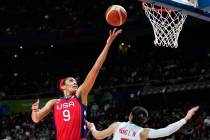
70	111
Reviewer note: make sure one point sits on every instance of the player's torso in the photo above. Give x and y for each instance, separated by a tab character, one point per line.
127	131
69	116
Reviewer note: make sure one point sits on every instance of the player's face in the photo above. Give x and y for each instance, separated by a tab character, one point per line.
71	85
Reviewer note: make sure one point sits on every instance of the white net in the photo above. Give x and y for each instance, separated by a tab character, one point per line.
166	23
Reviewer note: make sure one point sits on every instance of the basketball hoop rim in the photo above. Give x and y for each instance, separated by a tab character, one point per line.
157	9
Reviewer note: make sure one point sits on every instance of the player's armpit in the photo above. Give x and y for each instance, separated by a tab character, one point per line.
144	134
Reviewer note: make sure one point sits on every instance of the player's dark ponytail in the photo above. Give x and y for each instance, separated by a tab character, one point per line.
140	115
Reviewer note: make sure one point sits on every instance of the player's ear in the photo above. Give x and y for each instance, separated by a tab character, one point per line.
61	85
130	117
146	120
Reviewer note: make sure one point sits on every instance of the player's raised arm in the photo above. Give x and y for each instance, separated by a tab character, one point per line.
89	81
104	133
170	129
38	114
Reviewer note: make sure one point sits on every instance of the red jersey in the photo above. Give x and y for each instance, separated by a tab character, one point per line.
69	116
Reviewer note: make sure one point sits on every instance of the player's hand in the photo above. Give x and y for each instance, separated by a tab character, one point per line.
112	35
191	112
35	106
90	126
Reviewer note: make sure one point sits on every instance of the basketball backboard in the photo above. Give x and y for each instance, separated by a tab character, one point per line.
196	8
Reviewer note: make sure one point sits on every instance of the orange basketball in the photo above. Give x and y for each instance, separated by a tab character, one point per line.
116	15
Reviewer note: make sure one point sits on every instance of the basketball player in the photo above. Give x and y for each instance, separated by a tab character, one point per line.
70	110
132	129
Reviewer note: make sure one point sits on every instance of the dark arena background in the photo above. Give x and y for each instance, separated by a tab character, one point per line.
42	41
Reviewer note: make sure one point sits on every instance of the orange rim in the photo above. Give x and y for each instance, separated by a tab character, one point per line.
157	9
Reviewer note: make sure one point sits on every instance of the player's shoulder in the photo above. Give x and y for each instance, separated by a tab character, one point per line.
121	123
53	101
115	125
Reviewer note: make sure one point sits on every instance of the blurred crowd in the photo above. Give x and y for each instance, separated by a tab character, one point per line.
51	16
19	126
136	68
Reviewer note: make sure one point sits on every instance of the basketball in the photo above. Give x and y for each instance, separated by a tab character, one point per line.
116	15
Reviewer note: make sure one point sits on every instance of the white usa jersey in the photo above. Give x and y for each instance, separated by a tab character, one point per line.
127	131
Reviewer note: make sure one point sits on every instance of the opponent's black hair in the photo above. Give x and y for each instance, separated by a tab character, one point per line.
140	115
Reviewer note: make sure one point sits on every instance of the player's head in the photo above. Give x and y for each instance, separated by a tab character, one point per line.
68	86
138	115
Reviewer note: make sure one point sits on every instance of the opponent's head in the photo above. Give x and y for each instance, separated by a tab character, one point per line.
138	115
68	86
